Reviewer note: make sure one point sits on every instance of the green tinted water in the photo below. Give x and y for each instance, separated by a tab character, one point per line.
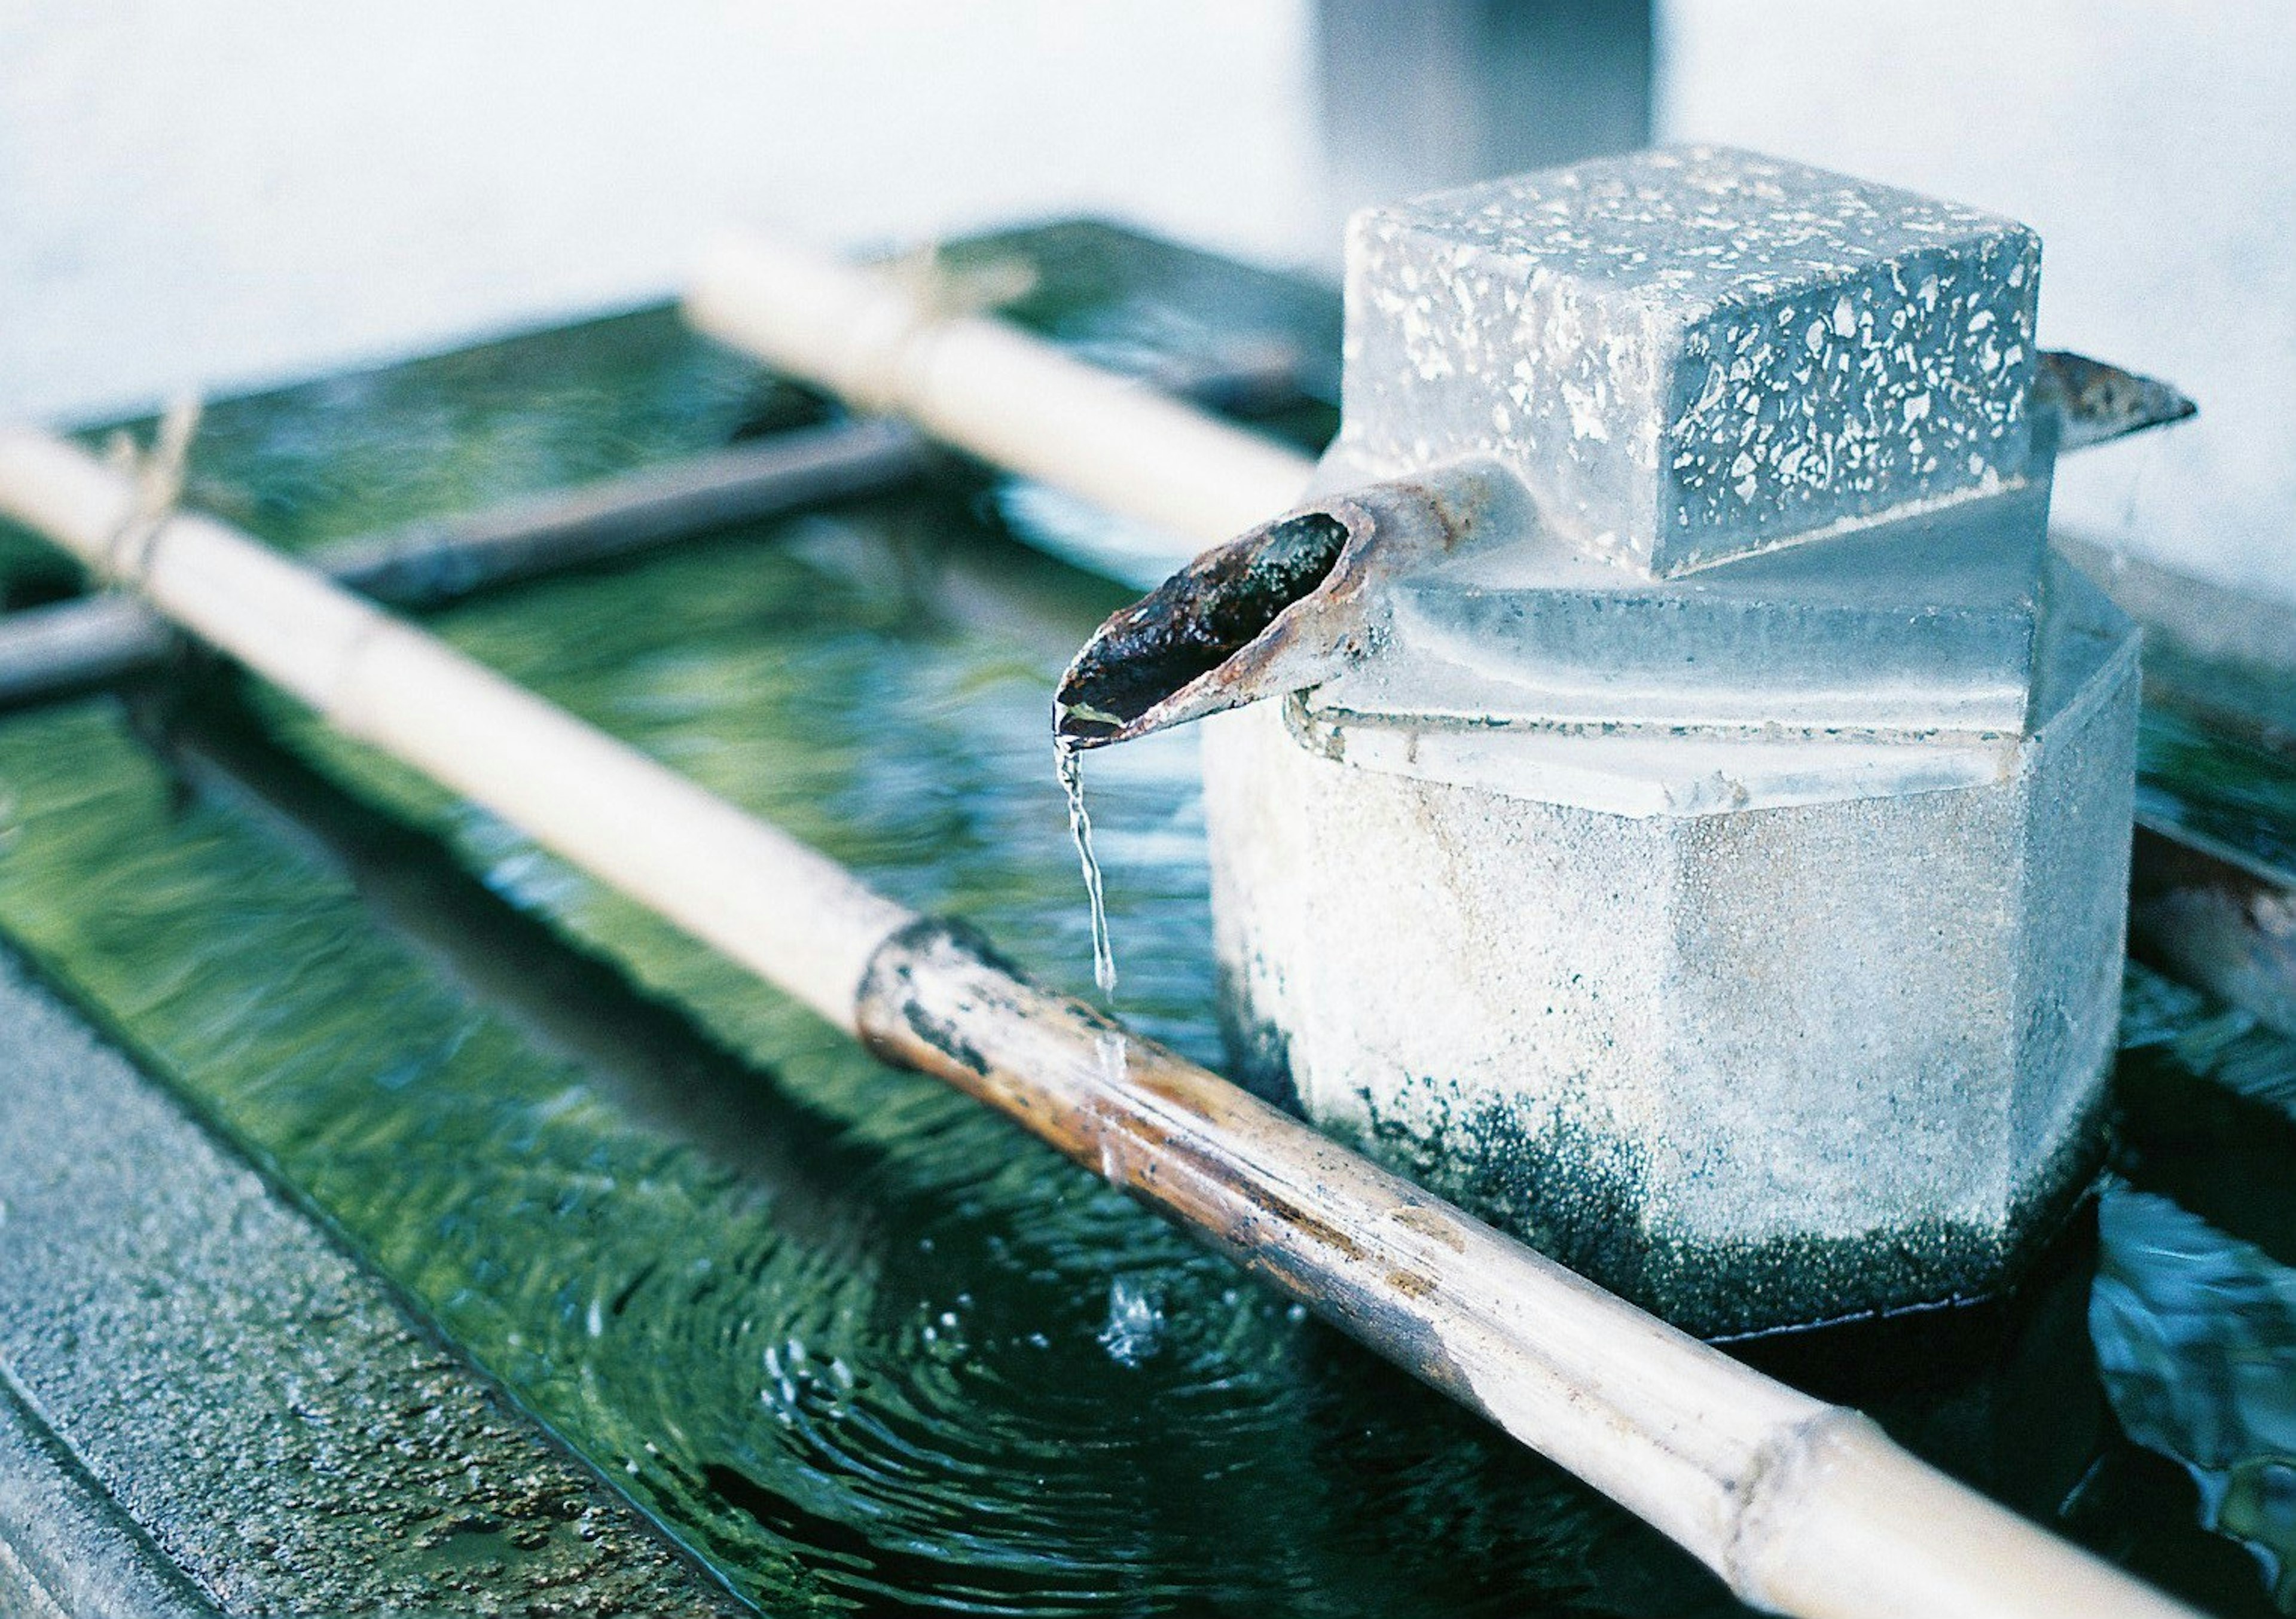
856	1342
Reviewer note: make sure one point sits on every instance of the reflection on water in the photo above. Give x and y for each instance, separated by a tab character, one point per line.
846	1332
2196	1339
859	1342
2233	791
2194	1308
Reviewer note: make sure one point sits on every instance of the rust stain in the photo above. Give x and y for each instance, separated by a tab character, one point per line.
1431	1224
1264	1201
1410	1283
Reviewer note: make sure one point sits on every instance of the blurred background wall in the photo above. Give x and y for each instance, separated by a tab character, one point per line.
221	191
2149	141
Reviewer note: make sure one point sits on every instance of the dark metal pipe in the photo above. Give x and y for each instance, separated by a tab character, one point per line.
73	646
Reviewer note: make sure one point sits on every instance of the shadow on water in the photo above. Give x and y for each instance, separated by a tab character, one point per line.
663	1072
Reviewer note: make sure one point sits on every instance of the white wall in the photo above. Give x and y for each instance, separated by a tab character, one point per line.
204	192
2152	143
211	191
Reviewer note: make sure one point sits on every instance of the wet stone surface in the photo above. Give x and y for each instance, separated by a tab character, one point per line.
254	1401
67	1551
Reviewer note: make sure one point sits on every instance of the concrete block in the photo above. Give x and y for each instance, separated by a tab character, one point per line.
1751	1067
1694	354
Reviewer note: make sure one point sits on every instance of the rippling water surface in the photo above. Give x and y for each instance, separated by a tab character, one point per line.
856	1342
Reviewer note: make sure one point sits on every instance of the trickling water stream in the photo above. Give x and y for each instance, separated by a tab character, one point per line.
1069	769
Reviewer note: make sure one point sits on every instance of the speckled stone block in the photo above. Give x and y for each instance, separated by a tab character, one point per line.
1705	855
1919	626
1692	354
1750	1067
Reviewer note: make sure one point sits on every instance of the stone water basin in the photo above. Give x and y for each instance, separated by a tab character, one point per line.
849	1341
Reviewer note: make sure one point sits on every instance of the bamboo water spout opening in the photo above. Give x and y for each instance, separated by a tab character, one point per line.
1148	665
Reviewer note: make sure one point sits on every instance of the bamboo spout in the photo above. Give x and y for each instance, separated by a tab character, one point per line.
2085	402
1287	606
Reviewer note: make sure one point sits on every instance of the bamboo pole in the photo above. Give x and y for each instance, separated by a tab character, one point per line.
1802	1508
764	898
880	342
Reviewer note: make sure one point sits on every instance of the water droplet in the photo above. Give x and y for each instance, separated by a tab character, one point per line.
1136	1326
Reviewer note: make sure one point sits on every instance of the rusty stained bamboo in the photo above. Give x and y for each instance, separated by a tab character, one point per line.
1801	1506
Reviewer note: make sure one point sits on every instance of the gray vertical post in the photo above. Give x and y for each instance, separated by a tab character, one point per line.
1415	97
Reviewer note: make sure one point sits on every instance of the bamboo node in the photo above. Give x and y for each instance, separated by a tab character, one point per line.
896	346
1775	1491
157	475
